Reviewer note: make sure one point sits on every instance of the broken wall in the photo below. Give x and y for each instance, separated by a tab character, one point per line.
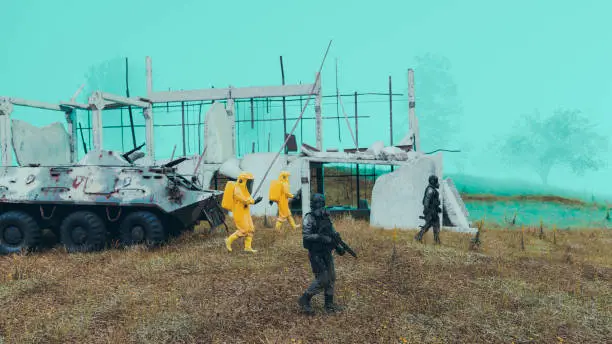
218	135
48	145
397	197
453	204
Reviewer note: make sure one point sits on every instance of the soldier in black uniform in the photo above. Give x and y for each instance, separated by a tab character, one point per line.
317	234
431	209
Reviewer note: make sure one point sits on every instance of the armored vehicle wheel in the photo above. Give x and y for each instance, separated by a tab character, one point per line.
83	231
18	231
142	227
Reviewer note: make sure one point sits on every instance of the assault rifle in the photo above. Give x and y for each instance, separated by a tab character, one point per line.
338	241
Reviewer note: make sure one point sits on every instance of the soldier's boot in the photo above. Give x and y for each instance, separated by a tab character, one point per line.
292	223
304	302
247	245
330	306
229	240
437	237
419	236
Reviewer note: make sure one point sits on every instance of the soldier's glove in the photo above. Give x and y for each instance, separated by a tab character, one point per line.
340	250
325	239
271	203
258	199
439	209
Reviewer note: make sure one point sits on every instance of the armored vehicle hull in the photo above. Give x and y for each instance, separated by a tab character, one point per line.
104	197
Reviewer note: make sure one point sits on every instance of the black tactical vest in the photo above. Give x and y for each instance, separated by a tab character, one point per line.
435	202
323	226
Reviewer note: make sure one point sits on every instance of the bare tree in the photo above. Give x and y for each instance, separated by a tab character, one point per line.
566	138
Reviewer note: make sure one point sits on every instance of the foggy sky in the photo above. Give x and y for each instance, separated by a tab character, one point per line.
508	57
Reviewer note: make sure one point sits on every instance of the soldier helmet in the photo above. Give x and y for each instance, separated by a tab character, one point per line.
433	181
317	201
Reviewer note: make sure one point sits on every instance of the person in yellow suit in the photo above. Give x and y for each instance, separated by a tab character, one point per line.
283	195
241	211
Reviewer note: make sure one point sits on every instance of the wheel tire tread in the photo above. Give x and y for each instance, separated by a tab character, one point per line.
33	233
154	229
96	236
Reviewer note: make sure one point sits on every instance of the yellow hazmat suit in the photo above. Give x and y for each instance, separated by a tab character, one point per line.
241	212
280	193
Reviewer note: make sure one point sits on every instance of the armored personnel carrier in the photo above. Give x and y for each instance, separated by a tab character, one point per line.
104	197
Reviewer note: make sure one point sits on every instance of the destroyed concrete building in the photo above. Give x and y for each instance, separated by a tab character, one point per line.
396	196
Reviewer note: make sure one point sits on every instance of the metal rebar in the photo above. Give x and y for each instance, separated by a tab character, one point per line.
290	100
356	124
390	112
284	104
195	124
183	126
337	103
200	129
252	115
122	135
187	128
358	186
89	125
127	93
390	116
83	138
301	123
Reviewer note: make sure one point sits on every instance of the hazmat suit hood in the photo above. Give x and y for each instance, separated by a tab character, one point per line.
284	176
245	180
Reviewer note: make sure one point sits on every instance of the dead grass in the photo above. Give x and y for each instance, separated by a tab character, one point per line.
192	291
523	198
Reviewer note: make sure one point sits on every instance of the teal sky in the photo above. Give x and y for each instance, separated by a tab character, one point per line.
508	57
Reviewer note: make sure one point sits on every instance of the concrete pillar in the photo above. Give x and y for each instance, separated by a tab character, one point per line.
319	119
149	71
149	132
412	120
97	102
6	138
72	134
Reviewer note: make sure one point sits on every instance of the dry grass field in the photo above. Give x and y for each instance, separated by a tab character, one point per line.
555	290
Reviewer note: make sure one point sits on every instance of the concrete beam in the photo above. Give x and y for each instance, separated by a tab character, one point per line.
65	106
233	93
34	104
358	161
124	100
